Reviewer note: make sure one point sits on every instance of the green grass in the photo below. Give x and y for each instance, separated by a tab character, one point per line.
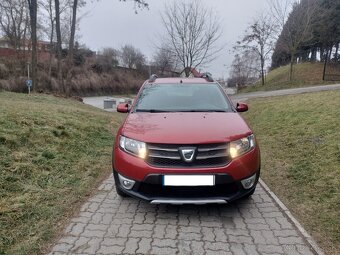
305	74
299	138
53	153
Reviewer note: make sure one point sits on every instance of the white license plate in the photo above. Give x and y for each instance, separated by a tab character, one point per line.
188	180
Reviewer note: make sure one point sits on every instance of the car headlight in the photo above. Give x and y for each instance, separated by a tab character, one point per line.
241	146
131	146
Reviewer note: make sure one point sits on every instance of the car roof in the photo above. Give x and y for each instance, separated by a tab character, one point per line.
176	80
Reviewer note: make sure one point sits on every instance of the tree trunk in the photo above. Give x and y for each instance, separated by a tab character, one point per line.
71	47
336	54
187	71
313	55
292	58
33	9
51	41
51	53
262	71
304	55
325	63
323	53
58	32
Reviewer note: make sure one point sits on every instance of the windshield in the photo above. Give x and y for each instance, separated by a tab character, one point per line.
182	98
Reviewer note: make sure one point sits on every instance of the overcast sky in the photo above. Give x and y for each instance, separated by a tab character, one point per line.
111	23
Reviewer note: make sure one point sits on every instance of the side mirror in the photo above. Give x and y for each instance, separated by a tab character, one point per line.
123	108
240	107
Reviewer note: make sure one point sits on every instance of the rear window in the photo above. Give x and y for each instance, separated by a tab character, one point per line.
182	98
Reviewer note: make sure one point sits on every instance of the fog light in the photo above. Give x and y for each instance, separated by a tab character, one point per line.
125	182
249	182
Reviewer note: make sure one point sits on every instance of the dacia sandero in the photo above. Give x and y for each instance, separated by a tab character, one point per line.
184	142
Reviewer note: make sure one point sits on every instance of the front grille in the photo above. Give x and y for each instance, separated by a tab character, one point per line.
206	155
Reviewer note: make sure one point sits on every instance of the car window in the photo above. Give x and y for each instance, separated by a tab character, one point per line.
182	98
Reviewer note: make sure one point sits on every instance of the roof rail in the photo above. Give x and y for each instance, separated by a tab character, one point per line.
153	77
208	76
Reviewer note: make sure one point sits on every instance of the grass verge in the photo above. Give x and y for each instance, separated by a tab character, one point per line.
304	75
53	152
299	138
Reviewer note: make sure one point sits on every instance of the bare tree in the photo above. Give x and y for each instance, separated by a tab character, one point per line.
107	59
60	23
33	11
111	55
61	7
71	45
14	21
132	57
280	10
164	60
139	4
48	6
260	39
59	42
296	28
192	32
245	69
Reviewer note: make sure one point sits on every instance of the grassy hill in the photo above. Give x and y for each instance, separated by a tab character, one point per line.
299	137
305	74
53	153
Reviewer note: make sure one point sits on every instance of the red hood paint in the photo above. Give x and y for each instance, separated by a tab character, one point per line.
185	128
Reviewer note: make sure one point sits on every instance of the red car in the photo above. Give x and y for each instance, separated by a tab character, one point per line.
183	142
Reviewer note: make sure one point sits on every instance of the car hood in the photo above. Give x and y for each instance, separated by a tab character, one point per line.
185	128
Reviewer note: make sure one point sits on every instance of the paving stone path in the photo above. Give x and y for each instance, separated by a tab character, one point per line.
108	224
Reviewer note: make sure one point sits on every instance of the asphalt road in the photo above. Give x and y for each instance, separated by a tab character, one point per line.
283	92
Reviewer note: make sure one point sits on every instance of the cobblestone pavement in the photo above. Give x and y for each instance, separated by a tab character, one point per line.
108	224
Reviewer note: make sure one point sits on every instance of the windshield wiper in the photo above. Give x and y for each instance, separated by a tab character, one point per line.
150	110
193	110
203	110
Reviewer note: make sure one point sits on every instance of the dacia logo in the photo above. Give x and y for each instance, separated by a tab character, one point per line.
188	154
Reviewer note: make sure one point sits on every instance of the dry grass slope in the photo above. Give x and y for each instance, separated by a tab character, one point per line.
53	152
84	82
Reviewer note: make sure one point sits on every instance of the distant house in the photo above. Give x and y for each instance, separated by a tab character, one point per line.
4	43
8	51
191	71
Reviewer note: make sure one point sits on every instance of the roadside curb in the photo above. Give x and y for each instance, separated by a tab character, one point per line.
293	220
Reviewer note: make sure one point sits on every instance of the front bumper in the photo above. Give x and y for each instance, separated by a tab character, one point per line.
151	189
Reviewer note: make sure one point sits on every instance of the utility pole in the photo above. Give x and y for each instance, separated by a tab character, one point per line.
28	70
28	78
